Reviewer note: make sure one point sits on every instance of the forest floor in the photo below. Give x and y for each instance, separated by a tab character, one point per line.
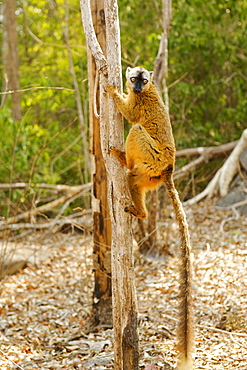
45	308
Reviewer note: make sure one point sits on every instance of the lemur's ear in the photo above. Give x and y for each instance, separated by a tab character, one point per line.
128	70
151	76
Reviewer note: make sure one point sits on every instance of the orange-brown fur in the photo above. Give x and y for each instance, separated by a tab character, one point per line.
149	146
150	158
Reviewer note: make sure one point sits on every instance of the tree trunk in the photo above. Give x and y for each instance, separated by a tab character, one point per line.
161	61
111	126
125	315
102	306
10	55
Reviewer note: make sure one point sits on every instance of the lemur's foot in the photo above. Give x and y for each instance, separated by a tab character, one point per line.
119	154
142	215
114	150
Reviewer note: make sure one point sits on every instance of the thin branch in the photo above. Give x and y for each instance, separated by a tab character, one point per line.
53	226
59	187
210	328
69	195
36	38
92	41
13	363
37	88
6	83
206	154
209	190
214	150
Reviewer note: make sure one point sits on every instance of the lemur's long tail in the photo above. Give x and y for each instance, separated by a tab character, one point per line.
185	331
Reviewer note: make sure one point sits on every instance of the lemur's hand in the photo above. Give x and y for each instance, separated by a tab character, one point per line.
111	89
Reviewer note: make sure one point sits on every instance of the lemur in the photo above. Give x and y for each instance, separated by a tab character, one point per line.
150	160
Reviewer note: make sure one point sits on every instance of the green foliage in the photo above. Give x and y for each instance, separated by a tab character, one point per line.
207	64
207	79
208	43
40	148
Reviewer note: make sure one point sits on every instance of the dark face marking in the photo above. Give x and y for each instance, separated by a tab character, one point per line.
138	82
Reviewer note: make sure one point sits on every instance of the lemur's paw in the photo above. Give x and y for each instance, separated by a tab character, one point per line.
111	88
136	213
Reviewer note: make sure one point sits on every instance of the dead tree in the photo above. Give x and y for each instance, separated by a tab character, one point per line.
102	306
111	125
223	177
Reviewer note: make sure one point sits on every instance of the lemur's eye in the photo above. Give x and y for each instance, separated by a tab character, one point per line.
145	81
132	79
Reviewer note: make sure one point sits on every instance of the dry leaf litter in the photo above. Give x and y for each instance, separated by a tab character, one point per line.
45	308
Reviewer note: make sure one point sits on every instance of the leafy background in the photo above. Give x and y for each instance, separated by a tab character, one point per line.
207	79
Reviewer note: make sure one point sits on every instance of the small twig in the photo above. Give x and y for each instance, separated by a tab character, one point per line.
146	238
66	204
237	342
211	328
36	38
203	256
14	363
234	205
223	222
221	331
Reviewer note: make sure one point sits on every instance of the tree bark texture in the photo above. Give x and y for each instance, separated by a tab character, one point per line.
111	126
123	278
102	305
10	55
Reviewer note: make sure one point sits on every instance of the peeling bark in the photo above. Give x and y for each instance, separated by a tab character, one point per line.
111	126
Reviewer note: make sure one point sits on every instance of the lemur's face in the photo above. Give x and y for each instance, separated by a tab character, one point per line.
138	79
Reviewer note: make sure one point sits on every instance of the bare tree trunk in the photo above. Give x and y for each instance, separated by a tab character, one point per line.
111	125
161	61
102	306
10	55
125	313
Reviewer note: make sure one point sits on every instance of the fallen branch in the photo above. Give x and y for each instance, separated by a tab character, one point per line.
58	188
55	225
70	194
206	154
231	165
223	177
185	170
212	150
